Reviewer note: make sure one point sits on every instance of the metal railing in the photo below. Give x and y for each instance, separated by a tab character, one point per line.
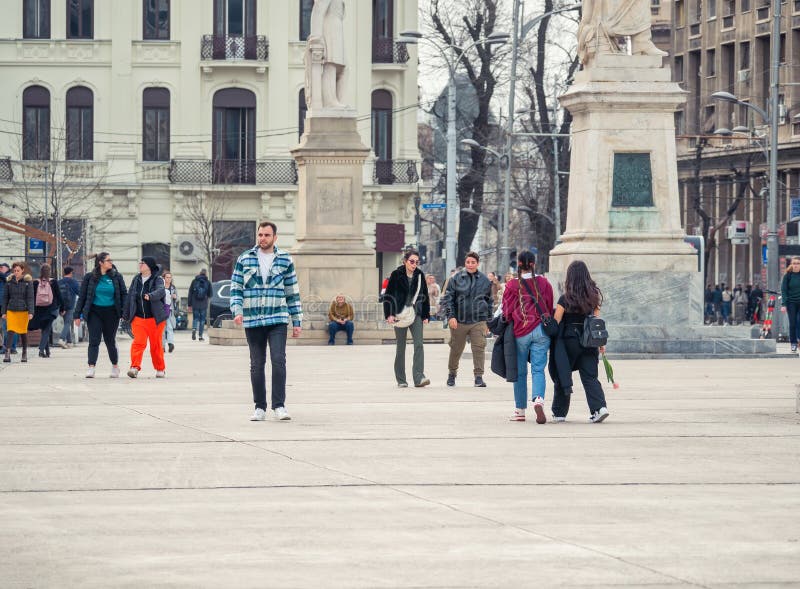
388	51
234	48
6	173
232	171
395	172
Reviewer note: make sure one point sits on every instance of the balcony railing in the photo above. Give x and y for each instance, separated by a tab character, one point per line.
395	172
6	173
387	51
232	172
234	48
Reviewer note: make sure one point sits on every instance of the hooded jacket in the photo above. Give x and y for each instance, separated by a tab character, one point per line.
19	294
155	307
86	295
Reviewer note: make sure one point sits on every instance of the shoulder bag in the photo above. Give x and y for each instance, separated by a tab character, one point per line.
549	324
406	317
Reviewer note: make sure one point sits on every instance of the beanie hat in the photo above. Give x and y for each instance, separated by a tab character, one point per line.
151	263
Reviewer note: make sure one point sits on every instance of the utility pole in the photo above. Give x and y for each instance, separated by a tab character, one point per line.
773	282
452	201
46	213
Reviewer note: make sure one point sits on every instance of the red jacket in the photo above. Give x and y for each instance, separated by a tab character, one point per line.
526	322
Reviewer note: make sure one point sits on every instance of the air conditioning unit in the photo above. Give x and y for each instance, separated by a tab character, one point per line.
188	250
743	75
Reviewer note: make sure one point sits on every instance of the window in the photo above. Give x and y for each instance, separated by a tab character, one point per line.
234	137
156	20
36	123
36	19
80	19
711	63
302	109
680	124
305	18
382	124
744	55
680	14
155	121
712	9
678	68
745	5
80	129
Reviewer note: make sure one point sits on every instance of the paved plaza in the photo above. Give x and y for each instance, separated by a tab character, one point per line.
694	480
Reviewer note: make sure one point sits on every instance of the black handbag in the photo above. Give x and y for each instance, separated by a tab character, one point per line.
549	323
594	332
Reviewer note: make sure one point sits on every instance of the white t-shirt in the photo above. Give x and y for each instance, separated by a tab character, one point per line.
265	262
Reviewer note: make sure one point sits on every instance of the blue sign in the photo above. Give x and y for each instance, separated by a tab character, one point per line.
795	208
35	246
764	255
434	205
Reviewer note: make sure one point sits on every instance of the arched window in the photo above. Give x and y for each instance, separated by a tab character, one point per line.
305	18
302	109
234	136
155	125
80	19
80	123
36	19
155	14
382	124
35	123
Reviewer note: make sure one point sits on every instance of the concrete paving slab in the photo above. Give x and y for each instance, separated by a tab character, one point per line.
692	481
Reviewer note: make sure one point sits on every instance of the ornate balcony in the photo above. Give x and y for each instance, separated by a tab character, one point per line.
232	172
234	48
387	51
6	173
395	172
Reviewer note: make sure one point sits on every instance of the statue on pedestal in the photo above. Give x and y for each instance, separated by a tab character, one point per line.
604	21
324	59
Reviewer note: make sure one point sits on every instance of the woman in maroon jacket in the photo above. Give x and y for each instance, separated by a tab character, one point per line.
532	342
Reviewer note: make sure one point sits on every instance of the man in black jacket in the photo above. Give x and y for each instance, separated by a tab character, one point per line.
199	296
467	304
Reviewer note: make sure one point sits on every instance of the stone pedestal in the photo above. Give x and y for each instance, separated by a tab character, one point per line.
623	218
331	255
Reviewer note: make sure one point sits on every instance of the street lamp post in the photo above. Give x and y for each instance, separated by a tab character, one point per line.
414	37
770	117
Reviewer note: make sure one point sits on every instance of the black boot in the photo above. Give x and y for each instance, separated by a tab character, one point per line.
479	381
24	338
451	380
7	355
194	334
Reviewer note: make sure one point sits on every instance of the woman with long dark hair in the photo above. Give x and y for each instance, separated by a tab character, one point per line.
100	305
18	307
520	299
48	306
790	298
407	287
581	298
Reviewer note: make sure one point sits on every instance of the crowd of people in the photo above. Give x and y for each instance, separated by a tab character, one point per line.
148	308
732	307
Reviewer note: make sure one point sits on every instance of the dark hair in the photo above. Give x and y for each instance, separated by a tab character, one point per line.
18	265
581	293
526	261
68	270
269	224
473	255
410	252
44	272
99	259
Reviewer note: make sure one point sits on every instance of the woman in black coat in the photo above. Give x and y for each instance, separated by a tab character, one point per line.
45	312
406	281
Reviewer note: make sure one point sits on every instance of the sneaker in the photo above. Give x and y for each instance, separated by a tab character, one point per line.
281	414
133	372
114	372
423	383
538	407
599	415
519	415
201	338
794	347
62	344
557	419
161	374
451	380
170	347
194	334
258	415
479	381
90	372
402	385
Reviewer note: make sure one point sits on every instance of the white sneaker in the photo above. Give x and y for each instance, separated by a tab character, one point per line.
281	414
258	415
599	415
559	419
161	374
62	344
114	372
133	372
90	372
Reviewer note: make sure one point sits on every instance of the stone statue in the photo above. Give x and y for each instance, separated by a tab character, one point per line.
325	61
604	21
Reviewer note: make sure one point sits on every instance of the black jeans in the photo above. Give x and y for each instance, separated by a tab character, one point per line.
585	361
103	322
257	340
793	311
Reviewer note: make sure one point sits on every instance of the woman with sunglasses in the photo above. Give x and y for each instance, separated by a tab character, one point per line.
100	305
407	287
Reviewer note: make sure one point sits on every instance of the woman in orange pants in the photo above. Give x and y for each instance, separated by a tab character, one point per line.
146	310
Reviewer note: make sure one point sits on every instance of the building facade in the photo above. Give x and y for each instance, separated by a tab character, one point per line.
724	45
150	123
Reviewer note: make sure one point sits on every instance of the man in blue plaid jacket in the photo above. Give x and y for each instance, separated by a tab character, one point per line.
264	296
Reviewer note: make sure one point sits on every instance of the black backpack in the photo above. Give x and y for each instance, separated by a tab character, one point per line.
594	332
200	289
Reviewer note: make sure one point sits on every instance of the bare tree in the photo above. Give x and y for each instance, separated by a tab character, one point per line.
205	218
